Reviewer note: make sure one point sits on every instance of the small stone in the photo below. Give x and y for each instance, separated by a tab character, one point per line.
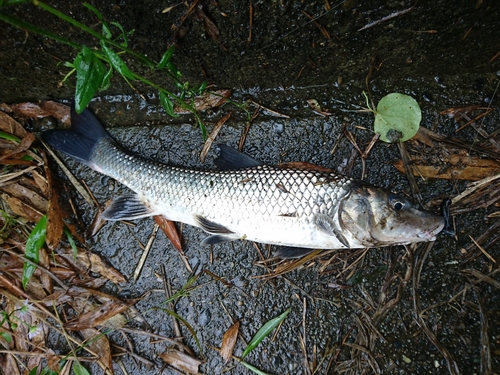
406	359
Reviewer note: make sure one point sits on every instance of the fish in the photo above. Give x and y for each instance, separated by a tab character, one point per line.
298	206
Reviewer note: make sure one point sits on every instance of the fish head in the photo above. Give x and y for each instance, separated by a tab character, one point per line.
376	217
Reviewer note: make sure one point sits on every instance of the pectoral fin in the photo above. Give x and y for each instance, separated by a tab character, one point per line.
127	207
327	226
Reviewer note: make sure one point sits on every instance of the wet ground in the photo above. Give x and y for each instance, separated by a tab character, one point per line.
440	52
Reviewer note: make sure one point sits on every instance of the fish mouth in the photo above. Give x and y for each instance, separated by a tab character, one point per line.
430	235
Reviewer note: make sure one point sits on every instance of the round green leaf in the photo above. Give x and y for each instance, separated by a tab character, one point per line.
397	118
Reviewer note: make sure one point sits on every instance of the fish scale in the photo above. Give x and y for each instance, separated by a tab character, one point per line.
298	207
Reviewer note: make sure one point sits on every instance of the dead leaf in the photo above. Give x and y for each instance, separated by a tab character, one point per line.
212	136
28	196
22	209
181	361
229	341
10	365
43	109
208	100
313	103
99	344
168	227
457	167
98	265
11	126
97	317
23	146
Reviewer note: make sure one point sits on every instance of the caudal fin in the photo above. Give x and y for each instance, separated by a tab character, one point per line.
79	141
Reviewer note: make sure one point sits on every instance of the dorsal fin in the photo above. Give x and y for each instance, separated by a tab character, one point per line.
230	158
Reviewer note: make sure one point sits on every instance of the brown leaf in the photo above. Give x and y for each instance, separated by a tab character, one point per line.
11	126
181	361
99	344
10	365
207	100
458	167
29	196
229	341
22	209
23	146
97	317
168	227
43	109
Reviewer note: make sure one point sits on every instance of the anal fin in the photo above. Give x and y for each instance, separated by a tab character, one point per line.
127	207
210	226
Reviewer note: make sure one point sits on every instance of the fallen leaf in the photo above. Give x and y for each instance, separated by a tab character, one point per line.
313	103
43	109
168	227
181	361
22	209
229	341
28	196
11	126
98	316
99	344
208	100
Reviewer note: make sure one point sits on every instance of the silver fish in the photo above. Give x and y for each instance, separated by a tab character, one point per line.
293	207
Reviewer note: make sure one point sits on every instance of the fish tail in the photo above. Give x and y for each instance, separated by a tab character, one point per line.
80	141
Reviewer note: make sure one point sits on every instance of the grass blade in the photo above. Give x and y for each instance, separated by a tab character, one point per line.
263	332
254	369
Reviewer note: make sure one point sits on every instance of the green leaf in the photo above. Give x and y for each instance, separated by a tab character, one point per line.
124	34
202	88
397	118
167	104
47	371
254	369
34	243
106	81
78	369
262	333
33	371
165	59
90	73
116	61
6	336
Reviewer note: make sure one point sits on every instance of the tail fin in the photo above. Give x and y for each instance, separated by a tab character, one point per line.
79	141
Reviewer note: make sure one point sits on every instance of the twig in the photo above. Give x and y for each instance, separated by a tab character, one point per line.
145	253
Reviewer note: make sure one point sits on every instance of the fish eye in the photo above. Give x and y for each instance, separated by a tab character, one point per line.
397	203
